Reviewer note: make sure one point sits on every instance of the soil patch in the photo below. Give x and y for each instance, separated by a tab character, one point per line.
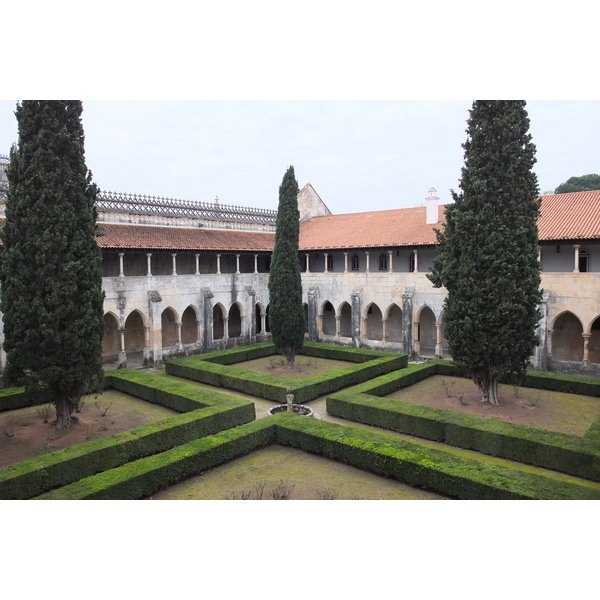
555	411
302	476
24	435
305	367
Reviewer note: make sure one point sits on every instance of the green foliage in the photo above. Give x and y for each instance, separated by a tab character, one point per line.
209	412
286	313
51	265
583	183
488	250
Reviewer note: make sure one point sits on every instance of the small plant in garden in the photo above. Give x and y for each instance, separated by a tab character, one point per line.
44	412
46	448
447	386
243	495
535	399
283	491
277	362
102	410
325	495
260	489
516	391
461	399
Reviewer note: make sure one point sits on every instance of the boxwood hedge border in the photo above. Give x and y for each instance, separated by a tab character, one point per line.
405	461
204	412
574	455
216	369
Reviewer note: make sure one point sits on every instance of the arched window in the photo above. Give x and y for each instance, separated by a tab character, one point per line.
355	262
411	262
584	261
383	262
329	262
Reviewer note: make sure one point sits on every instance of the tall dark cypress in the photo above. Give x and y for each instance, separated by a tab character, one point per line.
286	313
51	266
488	250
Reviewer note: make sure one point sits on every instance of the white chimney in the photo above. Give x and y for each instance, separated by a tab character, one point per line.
432	206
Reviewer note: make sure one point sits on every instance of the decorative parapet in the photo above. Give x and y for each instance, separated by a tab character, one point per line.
116	202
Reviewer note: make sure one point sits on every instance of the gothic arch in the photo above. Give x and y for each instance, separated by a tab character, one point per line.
111	342
594	343
189	325
234	321
327	314
345	312
135	337
373	322
168	324
426	331
393	317
567	340
218	321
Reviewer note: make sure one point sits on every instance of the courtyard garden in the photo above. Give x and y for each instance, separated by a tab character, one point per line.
383	430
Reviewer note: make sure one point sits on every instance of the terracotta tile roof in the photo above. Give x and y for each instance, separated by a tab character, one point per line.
182	238
574	216
375	229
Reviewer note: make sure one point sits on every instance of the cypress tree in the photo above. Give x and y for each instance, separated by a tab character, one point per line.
286	313
50	265
488	249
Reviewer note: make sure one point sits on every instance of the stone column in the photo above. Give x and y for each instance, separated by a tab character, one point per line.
438	340
384	330
146	352
337	325
149	259
208	319
251	333
416	338
391	253
121	272
416	261
218	264
225	328
586	348
345	262
197	264
122	353
174	255
237	263
313	332
263	321
326	256
308	263
367	270
356	321
256	263
199	330
577	247
550	332
178	343
407	326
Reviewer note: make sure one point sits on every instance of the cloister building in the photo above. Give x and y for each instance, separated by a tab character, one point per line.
189	277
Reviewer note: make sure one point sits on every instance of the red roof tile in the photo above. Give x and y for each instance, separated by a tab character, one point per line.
182	238
574	216
375	229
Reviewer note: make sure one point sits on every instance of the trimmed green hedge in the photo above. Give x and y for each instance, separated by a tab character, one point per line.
574	455
14	398
207	413
405	461
370	364
146	476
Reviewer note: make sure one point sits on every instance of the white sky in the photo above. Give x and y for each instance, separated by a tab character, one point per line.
358	155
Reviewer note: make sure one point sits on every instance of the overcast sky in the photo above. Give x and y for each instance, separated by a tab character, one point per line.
358	155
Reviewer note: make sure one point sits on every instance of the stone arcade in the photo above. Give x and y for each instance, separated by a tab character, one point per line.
186	277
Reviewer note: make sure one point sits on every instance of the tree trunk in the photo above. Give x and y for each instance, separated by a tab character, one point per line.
64	410
488	386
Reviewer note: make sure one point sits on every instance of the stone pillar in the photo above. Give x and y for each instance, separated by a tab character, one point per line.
149	259
391	253
416	261
256	263
237	263
367	254
225	328
174	255
178	343
539	360
586	348
416	338
307	263
155	322
550	332
263	321
356	321
251	333
384	330
345	262
208	319
197	264
313	333
199	330
122	353
218	264
121	271
577	248
326	256
337	325
438	340
146	353
407	326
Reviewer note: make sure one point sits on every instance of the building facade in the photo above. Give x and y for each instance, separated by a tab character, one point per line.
187	277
